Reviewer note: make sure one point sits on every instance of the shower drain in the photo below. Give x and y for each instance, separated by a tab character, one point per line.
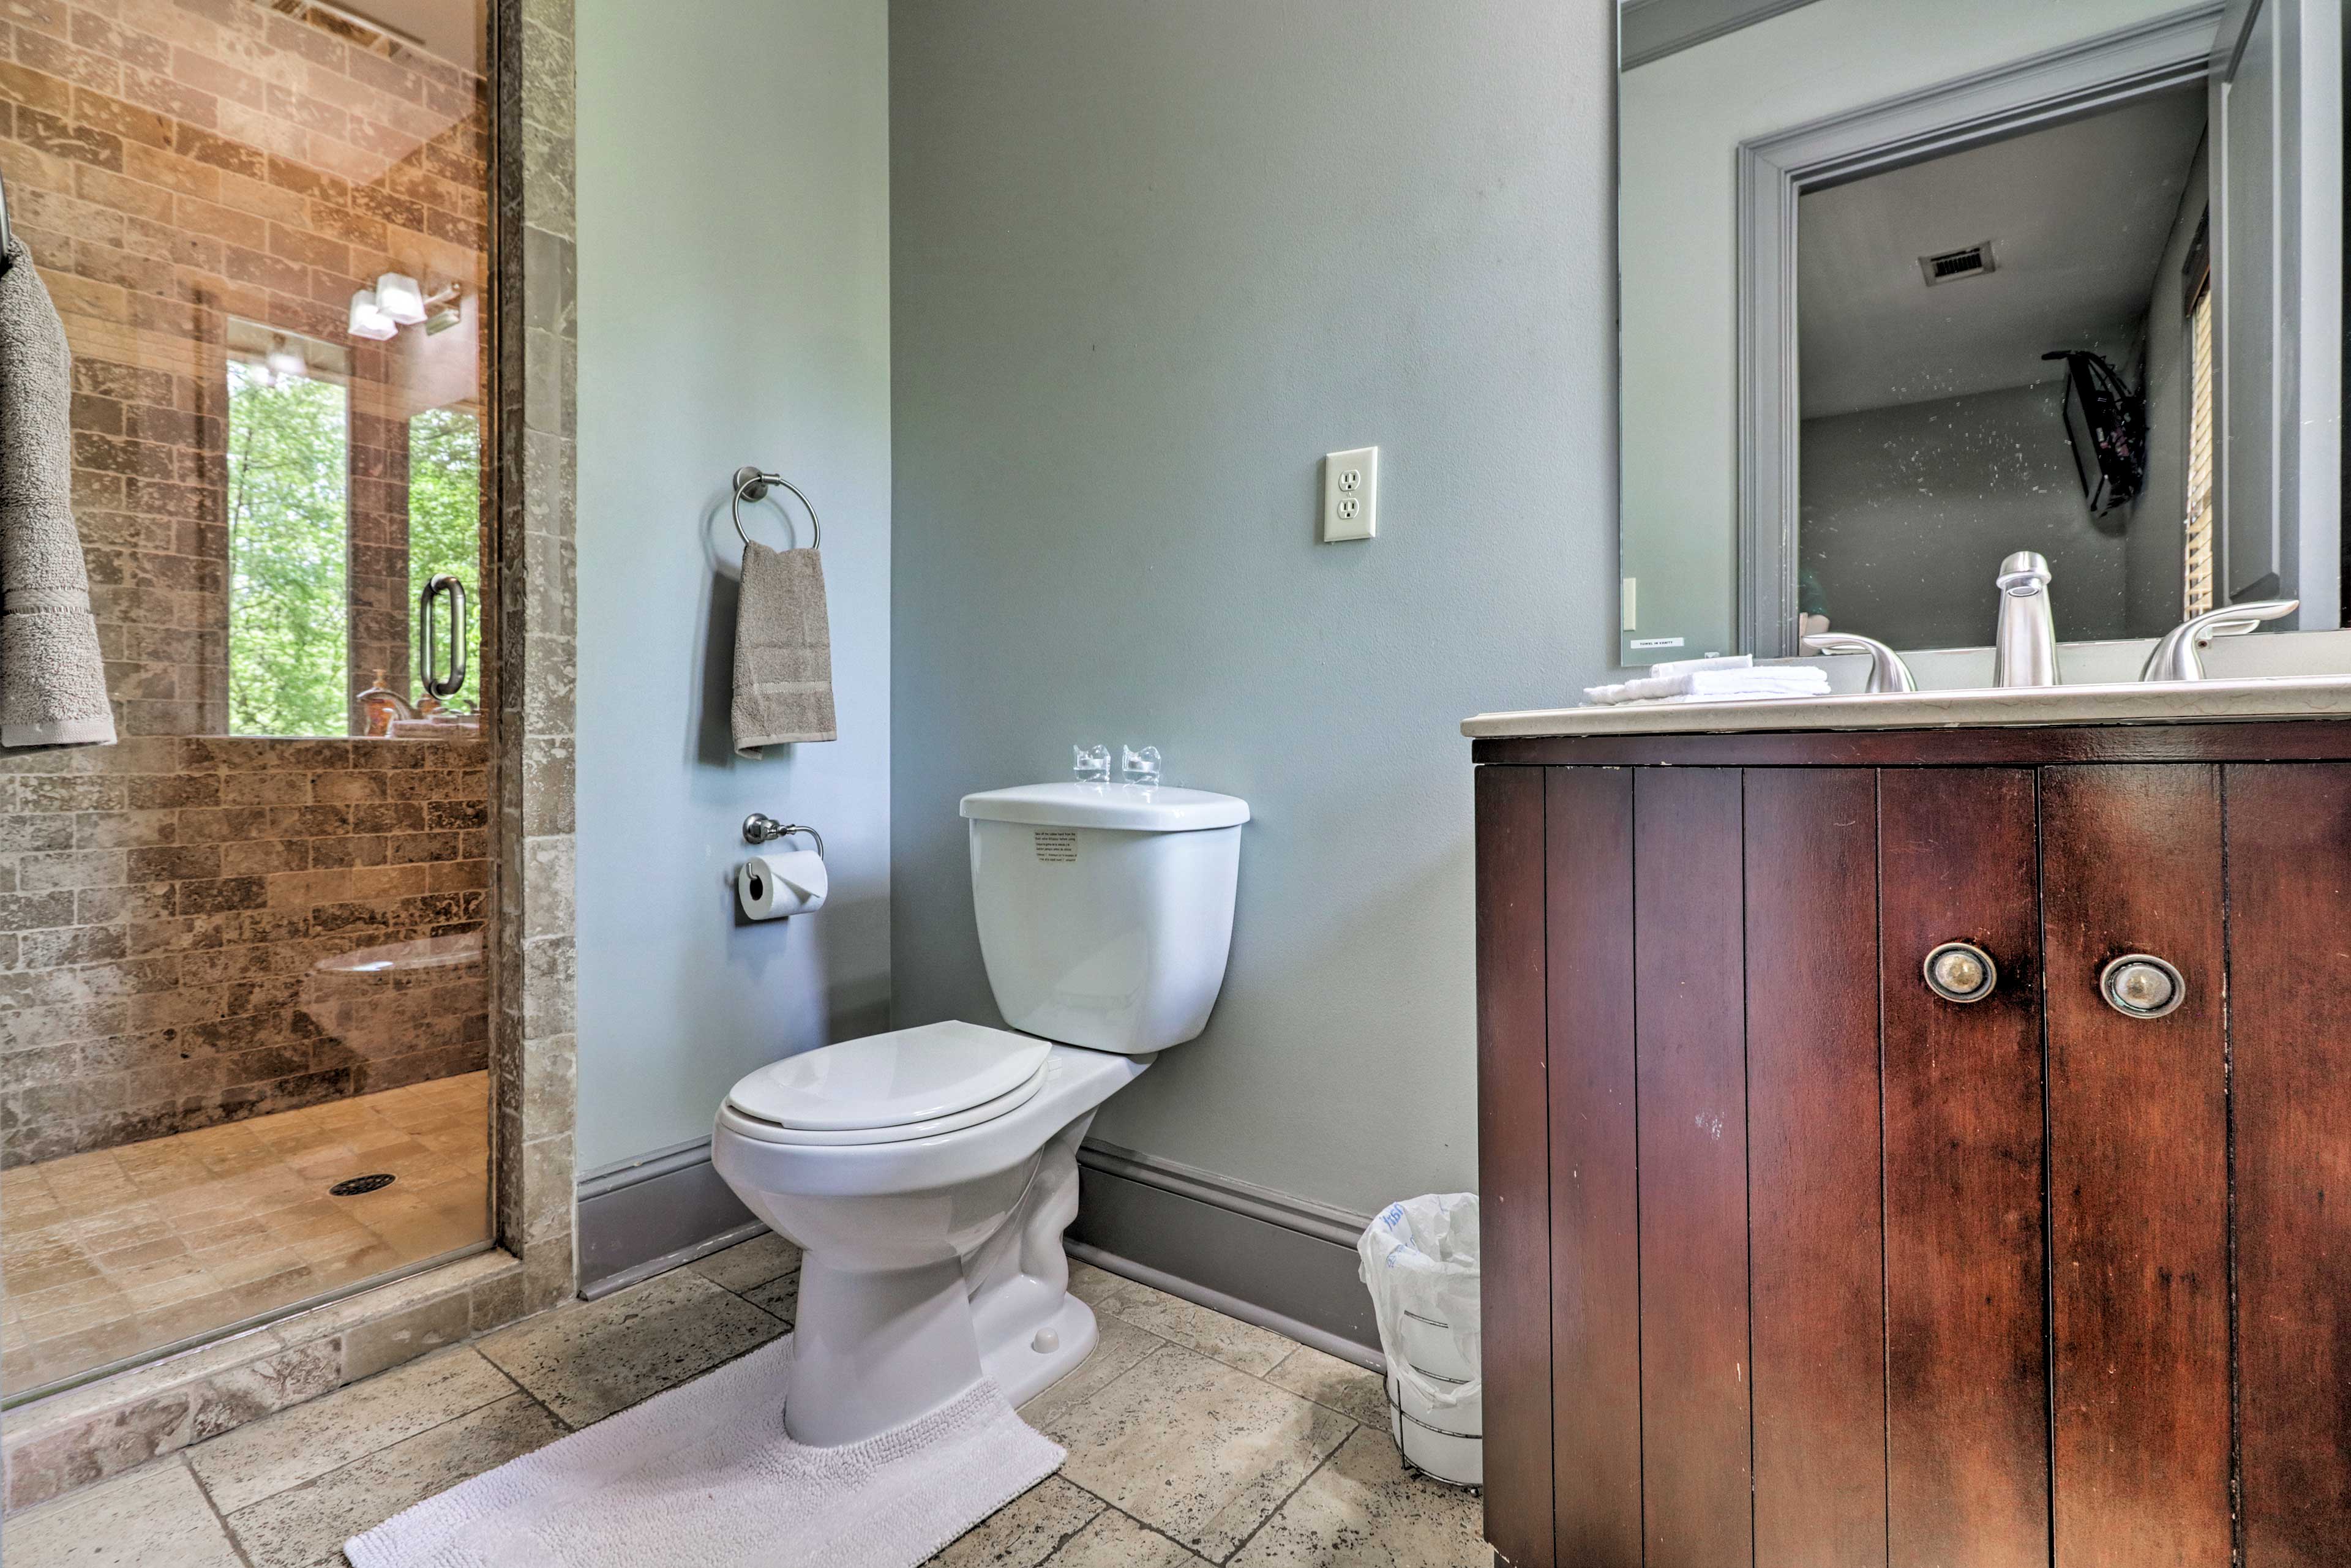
359	1185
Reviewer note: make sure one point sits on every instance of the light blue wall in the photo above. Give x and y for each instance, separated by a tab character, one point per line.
1149	262
734	307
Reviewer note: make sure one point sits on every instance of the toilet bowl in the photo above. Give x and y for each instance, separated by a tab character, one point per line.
928	1174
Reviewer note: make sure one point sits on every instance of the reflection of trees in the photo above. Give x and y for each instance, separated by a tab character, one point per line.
445	523
288	640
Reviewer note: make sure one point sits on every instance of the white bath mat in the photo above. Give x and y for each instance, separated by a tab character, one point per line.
702	1477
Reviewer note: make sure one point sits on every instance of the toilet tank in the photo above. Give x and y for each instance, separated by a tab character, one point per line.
1105	910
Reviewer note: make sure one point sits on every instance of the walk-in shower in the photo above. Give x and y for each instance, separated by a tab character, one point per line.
244	990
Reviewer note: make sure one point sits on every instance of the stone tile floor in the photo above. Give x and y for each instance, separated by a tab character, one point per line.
117	1252
1192	1438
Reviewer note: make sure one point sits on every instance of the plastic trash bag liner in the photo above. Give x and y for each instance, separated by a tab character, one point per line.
1420	1258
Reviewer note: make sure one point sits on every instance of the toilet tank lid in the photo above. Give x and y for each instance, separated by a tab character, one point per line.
1156	808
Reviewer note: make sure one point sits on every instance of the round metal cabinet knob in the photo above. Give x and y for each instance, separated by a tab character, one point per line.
2141	985
1961	972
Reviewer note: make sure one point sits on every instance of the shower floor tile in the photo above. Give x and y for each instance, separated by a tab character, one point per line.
117	1252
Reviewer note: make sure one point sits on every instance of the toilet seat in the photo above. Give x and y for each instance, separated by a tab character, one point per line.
891	1087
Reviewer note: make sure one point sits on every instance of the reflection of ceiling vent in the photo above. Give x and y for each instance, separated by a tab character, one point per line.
1954	264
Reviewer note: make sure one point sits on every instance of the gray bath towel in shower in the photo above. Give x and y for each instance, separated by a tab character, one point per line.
783	650
52	678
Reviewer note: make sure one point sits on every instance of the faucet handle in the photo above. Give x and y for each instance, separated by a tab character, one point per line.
1888	672
2176	657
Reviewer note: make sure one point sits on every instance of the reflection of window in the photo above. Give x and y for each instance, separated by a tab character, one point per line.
288	626
2196	592
444	524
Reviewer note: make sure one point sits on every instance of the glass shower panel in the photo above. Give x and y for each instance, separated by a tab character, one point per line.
242	971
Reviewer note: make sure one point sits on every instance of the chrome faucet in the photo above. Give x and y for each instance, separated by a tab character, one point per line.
2177	657
2025	651
1888	672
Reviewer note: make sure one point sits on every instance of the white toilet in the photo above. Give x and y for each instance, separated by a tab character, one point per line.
928	1174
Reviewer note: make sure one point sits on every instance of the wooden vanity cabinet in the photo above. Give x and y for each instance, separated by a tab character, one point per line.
1790	1262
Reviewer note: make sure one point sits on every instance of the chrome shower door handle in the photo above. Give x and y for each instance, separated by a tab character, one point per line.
430	680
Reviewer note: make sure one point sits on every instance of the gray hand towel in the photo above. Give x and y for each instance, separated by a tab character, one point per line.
52	678
783	650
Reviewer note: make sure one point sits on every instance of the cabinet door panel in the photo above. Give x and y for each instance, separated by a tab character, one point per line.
2289	1025
1513	1164
2138	1171
1967	1387
1815	1227
1595	1281
1688	1000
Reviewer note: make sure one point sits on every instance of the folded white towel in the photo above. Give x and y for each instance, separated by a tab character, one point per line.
1713	662
1729	679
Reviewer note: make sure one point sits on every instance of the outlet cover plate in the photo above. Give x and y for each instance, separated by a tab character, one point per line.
1350	494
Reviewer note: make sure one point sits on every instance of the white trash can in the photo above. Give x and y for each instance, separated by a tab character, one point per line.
1420	1263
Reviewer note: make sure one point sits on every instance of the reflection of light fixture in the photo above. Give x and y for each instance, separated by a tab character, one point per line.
397	296
284	359
444	307
367	318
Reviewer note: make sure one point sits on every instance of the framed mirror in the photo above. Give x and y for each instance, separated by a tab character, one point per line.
1907	289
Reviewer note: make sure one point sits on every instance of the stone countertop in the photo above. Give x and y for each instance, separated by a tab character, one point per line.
2304	697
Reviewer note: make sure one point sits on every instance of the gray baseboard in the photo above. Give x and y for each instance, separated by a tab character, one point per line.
1231	1306
652	1214
1265	1256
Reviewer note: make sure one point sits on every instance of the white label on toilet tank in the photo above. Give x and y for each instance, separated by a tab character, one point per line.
1057	846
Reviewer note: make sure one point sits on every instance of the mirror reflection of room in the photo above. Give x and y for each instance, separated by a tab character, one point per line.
1909	290
2008	347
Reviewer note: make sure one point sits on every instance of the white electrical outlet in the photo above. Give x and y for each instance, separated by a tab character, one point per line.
1350	494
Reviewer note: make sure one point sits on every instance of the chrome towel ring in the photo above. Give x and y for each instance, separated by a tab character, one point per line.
751	484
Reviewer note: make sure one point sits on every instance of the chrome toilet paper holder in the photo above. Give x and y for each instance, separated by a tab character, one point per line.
759	827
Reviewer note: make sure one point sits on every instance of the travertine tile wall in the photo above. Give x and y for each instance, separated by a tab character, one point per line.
165	908
171	164
535	975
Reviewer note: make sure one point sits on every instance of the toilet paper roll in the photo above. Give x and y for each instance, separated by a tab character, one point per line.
771	886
